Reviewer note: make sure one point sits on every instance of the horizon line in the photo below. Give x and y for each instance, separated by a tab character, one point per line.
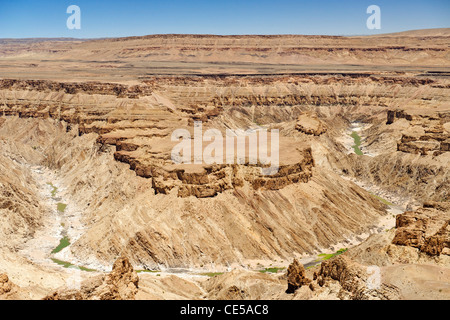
218	35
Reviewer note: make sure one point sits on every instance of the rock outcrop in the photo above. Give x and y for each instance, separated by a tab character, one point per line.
310	124
351	276
296	276
209	180
5	284
119	90
426	228
427	134
120	284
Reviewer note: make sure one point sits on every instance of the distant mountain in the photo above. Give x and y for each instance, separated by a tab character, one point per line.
437	32
38	40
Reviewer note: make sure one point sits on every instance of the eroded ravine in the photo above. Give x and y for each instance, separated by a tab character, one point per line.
124	220
63	226
62	223
67	223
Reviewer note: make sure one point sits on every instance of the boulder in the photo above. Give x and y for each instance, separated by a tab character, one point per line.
5	284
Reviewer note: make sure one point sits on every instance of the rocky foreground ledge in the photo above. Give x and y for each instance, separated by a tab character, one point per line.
411	261
120	284
411	264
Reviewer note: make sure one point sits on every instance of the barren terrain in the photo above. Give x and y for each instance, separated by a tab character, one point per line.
93	207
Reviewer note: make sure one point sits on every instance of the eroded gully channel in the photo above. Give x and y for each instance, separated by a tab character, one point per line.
62	223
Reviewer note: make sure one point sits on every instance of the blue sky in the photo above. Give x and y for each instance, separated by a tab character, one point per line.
113	18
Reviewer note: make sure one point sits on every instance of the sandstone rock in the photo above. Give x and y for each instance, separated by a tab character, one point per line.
5	284
348	273
124	278
310	124
426	135
296	276
233	293
119	90
393	115
419	147
426	229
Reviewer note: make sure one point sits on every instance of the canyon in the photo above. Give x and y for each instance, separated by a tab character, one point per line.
86	155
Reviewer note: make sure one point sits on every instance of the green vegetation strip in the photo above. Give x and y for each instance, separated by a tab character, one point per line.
66	264
61	207
54	190
324	256
151	271
272	269
357	140
211	274
382	200
64	242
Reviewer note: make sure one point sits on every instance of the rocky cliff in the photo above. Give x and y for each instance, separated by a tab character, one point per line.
426	229
428	132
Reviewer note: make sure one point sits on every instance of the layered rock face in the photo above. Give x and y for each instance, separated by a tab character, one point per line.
211	180
340	278
426	229
137	131
428	132
138	121
136	58
21	212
